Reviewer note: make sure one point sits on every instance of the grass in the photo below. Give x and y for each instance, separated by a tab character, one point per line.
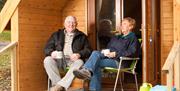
5	36
5	65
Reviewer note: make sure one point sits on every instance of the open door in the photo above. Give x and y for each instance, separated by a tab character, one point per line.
146	16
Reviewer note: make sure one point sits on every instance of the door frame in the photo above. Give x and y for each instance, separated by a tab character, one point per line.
119	6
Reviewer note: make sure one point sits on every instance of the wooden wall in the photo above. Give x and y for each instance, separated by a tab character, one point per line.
37	20
166	32
77	8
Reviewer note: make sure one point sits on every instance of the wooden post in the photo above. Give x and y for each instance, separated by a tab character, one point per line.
176	4
177	71
14	56
7	12
169	79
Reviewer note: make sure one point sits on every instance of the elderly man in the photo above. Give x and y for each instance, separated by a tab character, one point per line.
70	44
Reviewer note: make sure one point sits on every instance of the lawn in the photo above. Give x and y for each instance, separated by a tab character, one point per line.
5	65
5	36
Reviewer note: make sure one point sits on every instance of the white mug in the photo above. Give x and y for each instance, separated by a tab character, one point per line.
59	55
105	51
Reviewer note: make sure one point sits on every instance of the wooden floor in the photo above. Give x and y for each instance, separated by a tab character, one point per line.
108	84
103	89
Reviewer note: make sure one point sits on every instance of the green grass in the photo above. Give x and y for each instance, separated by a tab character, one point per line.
5	36
5	60
5	64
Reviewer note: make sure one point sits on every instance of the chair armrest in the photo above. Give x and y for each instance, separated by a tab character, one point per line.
128	58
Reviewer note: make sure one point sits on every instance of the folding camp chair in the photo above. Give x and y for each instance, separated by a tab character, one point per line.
130	69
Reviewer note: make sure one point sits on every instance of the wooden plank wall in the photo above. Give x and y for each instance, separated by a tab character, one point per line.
166	32
77	8
37	20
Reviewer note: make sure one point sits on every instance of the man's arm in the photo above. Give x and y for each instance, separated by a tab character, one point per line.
50	45
86	51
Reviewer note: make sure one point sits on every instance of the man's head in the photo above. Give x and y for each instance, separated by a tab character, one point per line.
127	25
70	23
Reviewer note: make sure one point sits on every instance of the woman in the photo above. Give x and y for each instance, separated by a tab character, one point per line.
125	44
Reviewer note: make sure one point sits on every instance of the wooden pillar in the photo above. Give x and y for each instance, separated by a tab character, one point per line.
14	55
177	72
177	39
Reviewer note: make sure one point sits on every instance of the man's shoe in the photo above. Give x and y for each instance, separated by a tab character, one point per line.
58	88
82	74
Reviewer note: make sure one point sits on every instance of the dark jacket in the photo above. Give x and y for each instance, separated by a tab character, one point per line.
124	45
80	43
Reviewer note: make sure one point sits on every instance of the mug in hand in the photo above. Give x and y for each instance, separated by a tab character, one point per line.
59	55
105	51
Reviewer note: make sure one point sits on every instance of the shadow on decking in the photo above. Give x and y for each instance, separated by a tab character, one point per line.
108	83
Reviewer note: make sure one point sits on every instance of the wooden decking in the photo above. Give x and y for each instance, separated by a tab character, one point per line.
103	89
108	84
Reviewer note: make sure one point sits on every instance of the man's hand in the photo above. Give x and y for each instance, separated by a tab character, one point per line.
75	56
54	54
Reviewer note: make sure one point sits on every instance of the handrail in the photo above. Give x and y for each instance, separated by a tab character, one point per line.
171	57
6	12
168	66
9	46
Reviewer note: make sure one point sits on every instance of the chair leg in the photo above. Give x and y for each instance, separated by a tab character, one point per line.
136	81
120	78
117	76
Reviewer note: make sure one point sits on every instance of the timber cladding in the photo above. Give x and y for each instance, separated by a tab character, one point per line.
76	8
166	31
38	19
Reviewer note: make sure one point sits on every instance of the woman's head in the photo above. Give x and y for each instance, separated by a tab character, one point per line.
127	25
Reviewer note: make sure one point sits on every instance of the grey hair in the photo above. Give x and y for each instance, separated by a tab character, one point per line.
70	17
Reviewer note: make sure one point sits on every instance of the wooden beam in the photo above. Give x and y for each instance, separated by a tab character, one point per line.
178	1
7	12
177	71
169	79
171	57
9	46
176	7
14	54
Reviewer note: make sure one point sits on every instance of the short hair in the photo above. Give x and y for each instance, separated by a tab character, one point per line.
70	18
131	21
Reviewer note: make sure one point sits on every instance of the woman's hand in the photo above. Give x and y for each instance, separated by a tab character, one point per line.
110	54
